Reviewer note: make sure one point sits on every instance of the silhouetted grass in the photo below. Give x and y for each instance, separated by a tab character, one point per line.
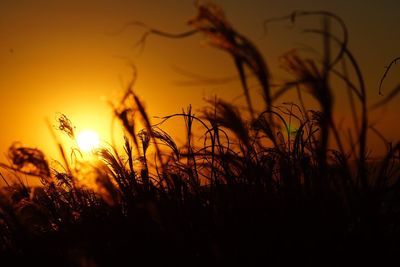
265	189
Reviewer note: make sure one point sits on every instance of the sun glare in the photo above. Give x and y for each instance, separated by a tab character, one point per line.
88	140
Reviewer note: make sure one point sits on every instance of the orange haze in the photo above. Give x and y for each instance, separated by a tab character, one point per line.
56	58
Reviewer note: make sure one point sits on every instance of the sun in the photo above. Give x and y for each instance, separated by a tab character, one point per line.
88	140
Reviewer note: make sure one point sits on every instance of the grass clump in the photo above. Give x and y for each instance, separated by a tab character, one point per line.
265	188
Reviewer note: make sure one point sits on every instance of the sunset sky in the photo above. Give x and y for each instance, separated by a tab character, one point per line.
56	57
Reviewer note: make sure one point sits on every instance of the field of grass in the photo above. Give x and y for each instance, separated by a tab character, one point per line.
273	188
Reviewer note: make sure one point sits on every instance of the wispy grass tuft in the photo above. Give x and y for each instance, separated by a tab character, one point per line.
279	187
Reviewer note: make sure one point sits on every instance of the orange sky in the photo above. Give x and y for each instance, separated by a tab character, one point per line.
55	57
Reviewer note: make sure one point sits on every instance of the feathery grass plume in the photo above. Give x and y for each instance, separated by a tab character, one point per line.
127	118
65	125
106	188
28	160
63	180
229	117
306	73
360	92
167	140
125	111
116	169
149	128
323	93
211	21
144	138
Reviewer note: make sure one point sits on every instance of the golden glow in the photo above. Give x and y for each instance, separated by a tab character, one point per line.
69	64
88	140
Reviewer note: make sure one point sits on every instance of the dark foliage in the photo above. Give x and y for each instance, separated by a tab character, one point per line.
267	189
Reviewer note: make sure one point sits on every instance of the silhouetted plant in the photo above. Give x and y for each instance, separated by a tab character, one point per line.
243	190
